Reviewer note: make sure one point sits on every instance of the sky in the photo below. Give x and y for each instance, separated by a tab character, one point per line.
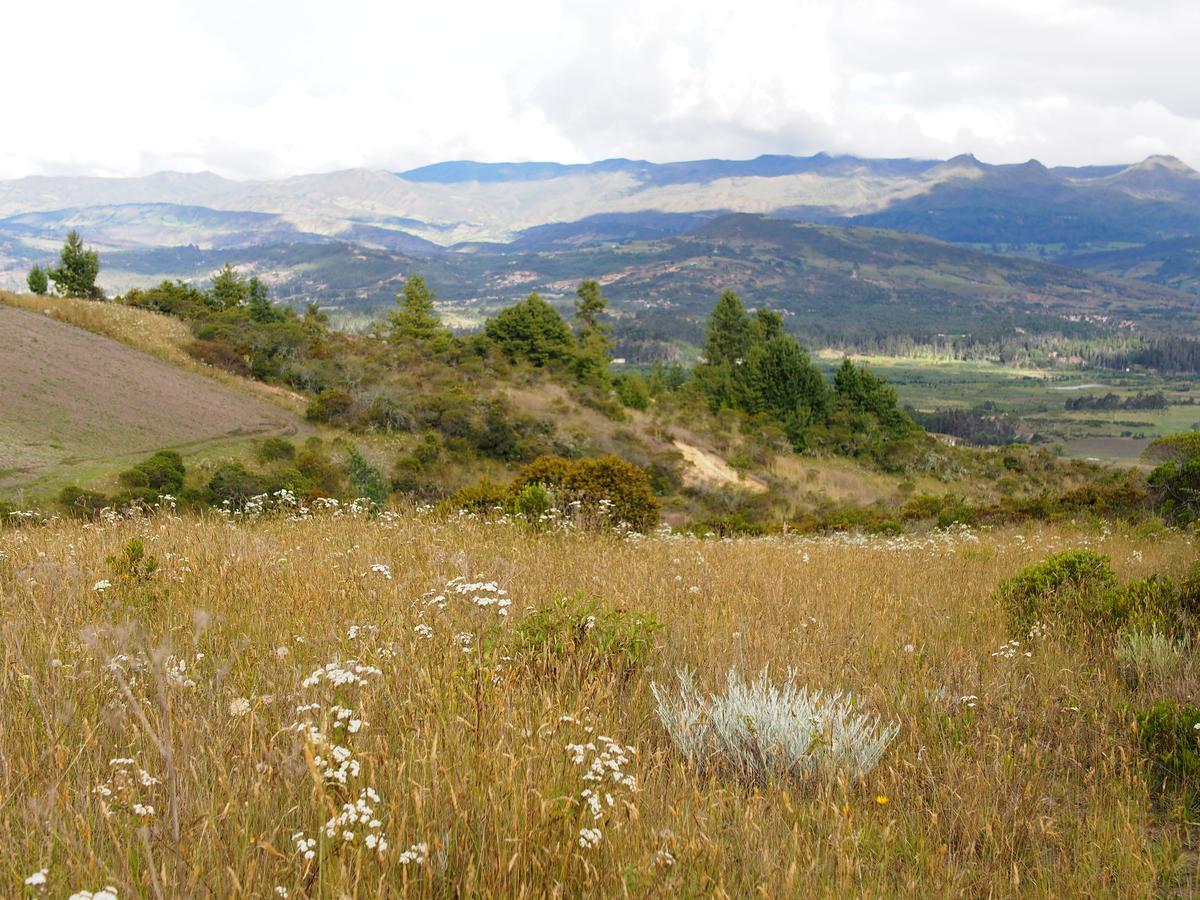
252	89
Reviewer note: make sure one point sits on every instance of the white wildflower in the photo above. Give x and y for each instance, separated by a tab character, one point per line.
238	707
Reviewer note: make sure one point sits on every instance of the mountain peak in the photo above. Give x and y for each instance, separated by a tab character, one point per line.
1162	162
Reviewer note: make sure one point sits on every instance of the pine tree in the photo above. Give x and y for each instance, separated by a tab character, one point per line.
786	386
38	281
534	330
595	340
414	318
259	302
729	331
75	275
228	289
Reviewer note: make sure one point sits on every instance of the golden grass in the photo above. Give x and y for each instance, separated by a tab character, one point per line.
1036	789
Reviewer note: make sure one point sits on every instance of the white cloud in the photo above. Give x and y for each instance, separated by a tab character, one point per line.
269	89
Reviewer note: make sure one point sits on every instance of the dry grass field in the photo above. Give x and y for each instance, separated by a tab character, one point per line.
191	727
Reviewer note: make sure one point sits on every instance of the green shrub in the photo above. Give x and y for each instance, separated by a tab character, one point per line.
80	503
161	473
275	449
233	484
331	405
533	502
365	480
633	391
1152	601
1070	584
1188	596
322	476
581	633
132	563
483	496
1169	734
603	486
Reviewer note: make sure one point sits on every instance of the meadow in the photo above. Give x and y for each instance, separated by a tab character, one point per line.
331	704
1037	398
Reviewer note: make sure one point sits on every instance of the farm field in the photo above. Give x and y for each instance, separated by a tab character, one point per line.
78	405
1038	399
191	726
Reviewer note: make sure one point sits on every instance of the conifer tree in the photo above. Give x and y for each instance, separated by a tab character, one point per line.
75	275
414	318
37	280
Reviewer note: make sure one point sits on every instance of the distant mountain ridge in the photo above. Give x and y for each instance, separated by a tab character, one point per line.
962	199
472	221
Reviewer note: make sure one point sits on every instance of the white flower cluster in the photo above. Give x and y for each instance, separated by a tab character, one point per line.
1010	650
481	594
414	854
357	823
127	790
106	893
339	674
355	631
604	761
37	880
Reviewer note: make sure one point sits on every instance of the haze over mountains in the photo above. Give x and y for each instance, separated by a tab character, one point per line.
487	232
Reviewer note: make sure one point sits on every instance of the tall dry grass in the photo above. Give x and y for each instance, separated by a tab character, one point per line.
1011	774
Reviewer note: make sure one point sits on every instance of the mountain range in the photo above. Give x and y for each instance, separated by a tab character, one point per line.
484	232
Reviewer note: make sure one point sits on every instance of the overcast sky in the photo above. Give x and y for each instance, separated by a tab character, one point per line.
262	89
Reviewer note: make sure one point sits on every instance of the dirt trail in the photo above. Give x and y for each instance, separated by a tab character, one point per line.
708	469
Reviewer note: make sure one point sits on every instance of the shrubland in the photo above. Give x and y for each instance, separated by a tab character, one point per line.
320	700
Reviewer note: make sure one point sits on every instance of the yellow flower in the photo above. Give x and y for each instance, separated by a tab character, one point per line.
881	799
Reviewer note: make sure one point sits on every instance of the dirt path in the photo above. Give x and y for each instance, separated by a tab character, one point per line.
709	469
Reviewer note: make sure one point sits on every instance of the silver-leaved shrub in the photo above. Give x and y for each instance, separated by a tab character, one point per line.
759	730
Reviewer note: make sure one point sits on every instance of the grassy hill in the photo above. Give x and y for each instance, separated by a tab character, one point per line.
430	427
78	406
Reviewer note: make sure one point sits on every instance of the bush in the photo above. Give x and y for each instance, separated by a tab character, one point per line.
1147	656
275	449
483	496
220	354
1170	736
162	473
233	484
1152	601
81	503
332	405
533	502
1073	583
633	391
605	487
132	563
1188	596
365	480
581	633
758	731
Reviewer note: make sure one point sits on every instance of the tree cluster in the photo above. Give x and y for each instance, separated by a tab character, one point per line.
74	276
752	365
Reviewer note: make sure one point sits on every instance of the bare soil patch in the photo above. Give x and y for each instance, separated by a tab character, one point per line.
73	399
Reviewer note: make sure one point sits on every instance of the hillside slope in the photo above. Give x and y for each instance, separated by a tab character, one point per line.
831	281
77	405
